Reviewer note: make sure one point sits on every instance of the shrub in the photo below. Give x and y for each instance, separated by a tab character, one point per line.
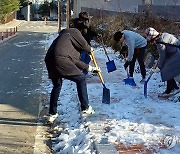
108	25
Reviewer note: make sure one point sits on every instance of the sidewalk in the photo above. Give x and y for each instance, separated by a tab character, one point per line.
9	30
9	25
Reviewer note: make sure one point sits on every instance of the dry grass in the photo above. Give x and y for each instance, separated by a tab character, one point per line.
108	25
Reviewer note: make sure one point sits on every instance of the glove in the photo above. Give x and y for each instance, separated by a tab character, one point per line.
126	64
92	49
124	48
94	69
156	70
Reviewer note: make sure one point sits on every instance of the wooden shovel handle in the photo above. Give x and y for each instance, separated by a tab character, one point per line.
154	67
125	62
96	65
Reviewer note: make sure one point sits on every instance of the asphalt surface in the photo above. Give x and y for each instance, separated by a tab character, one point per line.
21	65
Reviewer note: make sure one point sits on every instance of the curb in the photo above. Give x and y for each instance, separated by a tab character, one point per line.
9	38
40	144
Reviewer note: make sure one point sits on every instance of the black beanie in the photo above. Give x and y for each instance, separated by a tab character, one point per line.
118	36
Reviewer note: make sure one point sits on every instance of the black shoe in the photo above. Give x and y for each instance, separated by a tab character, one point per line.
167	91
170	92
176	88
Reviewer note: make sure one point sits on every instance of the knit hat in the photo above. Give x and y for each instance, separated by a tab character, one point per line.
151	33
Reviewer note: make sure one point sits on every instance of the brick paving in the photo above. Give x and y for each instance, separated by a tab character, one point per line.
132	149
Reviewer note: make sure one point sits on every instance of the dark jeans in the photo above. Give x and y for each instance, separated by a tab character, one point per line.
171	85
80	81
86	59
139	55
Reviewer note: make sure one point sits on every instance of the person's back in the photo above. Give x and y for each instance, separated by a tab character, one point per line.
139	41
169	38
66	49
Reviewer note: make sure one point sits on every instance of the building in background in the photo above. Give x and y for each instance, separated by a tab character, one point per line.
158	7
168	9
37	3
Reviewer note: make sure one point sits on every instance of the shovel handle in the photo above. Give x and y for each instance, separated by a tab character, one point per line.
96	65
125	62
101	41
154	67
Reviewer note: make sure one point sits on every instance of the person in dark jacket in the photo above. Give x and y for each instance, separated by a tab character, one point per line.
136	45
169	58
63	61
83	25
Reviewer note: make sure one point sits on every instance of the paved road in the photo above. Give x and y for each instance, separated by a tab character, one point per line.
21	63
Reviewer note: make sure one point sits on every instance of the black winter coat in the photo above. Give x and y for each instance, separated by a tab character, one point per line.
63	56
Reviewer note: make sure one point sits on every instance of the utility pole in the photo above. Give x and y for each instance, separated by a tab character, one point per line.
59	16
28	10
67	13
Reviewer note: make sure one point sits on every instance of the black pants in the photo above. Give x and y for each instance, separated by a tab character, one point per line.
139	55
171	85
80	81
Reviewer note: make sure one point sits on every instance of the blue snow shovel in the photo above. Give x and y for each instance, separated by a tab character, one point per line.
146	82
106	91
110	64
129	80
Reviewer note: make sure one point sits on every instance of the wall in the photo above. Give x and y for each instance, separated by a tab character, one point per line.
168	11
111	5
9	18
166	2
166	8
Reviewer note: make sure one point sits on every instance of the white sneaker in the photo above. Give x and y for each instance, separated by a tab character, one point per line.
52	118
89	110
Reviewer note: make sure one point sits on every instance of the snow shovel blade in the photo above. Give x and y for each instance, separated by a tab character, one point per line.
145	89
130	81
106	95
111	66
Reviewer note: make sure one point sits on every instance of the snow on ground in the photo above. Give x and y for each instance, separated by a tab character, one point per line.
131	117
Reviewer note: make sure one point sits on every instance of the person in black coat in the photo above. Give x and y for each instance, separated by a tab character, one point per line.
63	61
83	25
